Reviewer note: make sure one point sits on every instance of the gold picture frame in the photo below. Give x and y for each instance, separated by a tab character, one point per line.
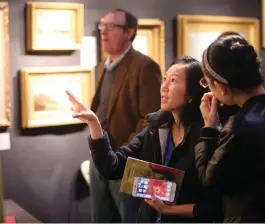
5	95
196	32
150	40
263	22
43	98
53	26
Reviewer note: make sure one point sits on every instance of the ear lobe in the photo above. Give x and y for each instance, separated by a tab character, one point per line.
131	32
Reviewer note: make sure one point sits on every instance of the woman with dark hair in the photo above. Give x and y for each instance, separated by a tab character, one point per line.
169	139
225	111
233	161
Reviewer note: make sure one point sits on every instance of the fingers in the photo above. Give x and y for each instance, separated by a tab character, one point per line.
152	202
214	105
75	102
205	102
72	98
156	204
207	96
79	115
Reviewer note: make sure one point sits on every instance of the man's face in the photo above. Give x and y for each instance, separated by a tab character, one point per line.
113	35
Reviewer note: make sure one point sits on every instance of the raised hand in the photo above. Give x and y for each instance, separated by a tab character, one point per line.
85	115
208	107
80	111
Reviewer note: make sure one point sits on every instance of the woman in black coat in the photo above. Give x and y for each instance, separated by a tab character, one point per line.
169	139
233	161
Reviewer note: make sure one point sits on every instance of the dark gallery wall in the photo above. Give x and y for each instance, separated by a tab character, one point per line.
41	166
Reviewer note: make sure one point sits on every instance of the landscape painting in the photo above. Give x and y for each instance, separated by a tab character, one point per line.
44	100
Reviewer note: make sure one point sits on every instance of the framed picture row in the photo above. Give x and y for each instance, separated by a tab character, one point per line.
59	27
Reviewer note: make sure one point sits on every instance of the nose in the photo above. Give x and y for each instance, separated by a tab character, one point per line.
164	86
104	31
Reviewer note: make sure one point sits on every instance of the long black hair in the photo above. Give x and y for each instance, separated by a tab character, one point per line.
191	110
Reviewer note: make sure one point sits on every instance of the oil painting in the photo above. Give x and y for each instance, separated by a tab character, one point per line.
54	26
44	102
5	92
196	32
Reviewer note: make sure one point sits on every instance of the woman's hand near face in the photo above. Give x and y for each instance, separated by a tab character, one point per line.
208	107
85	115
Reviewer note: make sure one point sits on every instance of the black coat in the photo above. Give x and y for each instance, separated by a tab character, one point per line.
146	146
234	162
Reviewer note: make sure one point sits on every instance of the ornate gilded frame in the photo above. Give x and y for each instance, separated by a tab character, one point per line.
74	33
263	22
200	23
49	101
5	98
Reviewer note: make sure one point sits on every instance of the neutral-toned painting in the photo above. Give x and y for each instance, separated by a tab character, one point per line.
196	32
43	92
54	26
5	102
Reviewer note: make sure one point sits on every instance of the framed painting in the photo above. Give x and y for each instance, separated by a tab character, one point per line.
53	26
43	97
5	97
196	32
150	40
263	22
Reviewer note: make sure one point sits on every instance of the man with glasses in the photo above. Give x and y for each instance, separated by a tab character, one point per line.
128	89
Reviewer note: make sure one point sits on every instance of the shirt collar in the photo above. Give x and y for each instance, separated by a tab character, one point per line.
111	65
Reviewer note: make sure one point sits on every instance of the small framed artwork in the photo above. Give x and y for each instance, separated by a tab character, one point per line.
150	40
5	92
43	97
196	32
53	26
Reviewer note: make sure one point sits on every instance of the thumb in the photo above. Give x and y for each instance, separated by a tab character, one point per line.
78	115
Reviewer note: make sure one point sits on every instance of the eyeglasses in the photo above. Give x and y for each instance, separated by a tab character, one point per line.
110	26
204	83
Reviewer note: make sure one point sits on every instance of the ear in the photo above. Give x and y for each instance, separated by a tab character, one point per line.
130	32
223	88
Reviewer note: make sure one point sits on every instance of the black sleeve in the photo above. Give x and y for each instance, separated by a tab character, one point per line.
214	157
109	164
209	210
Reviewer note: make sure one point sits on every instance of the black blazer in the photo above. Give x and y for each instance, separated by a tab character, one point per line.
233	162
146	146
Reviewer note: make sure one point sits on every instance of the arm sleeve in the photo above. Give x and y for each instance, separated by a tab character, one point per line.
111	164
214	157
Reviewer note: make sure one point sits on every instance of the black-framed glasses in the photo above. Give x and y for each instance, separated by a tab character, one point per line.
110	26
204	83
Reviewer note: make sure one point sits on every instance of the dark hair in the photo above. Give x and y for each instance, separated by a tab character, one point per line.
131	21
236	61
227	33
191	111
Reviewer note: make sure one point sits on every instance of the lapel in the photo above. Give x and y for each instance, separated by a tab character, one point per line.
163	136
100	72
120	74
99	78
